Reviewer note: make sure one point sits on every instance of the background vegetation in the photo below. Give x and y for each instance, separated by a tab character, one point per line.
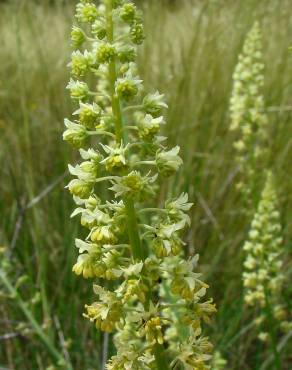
190	53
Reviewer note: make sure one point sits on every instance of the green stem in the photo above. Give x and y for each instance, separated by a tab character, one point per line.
150	163
162	210
116	107
112	74
132	107
160	357
37	328
132	223
133	230
100	132
272	327
106	178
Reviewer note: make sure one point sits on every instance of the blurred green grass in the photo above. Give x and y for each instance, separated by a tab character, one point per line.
189	54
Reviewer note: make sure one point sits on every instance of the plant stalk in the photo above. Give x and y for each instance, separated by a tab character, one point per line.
133	230
272	328
132	223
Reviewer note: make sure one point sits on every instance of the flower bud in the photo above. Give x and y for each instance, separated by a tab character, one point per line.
159	248
89	265
102	235
135	287
137	33
128	12
80	188
80	63
168	162
181	287
99	29
81	267
153	104
134	186
149	126
75	134
78	90
117	3
89	168
105	52
127	54
77	37
86	12
127	87
116	157
176	246
152	267
153	330
89	114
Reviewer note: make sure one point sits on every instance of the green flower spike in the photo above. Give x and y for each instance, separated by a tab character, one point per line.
263	276
154	303
248	118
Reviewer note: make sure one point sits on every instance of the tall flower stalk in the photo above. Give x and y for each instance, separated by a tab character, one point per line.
263	277
248	118
137	248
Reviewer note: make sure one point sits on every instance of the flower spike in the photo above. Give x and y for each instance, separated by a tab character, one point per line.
117	126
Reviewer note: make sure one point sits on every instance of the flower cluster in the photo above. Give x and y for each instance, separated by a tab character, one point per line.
263	277
247	106
116	128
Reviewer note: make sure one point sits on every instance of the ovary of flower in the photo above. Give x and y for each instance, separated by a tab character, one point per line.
104	52
181	287
135	287
128	13
104	316
133	185
78	89
168	162
99	29
85	266
127	87
88	114
86	171
154	103
80	188
86	12
149	126
77	36
102	234
116	156
153	331
80	63
137	33
76	134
